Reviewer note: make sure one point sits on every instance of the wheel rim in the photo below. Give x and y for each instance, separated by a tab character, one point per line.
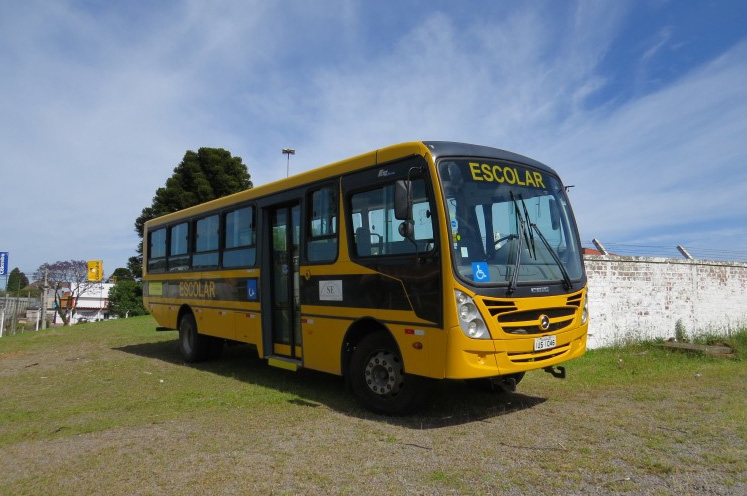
384	375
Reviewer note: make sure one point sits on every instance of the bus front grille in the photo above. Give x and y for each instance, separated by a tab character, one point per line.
512	321
538	356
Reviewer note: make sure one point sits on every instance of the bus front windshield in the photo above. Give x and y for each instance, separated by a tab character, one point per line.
510	225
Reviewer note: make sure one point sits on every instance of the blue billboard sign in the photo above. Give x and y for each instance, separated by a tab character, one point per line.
3	263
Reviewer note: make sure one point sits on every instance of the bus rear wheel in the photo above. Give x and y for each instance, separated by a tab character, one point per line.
378	378
196	347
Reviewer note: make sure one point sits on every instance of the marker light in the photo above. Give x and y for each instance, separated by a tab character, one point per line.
470	320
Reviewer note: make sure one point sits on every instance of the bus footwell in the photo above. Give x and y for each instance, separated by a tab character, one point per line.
558	374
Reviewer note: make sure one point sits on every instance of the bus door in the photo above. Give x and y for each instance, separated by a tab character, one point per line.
284	239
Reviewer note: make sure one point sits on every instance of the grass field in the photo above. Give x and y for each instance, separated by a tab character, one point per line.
110	408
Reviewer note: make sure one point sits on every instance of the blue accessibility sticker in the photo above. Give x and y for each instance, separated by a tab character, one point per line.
480	272
251	290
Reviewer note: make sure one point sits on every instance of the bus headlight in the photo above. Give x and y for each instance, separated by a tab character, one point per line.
470	320
585	312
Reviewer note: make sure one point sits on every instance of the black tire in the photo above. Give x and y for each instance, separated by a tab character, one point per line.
194	346
499	384
378	378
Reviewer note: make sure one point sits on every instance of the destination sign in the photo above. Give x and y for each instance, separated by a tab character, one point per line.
506	174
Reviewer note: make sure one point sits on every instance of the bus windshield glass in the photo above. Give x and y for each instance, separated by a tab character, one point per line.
510	224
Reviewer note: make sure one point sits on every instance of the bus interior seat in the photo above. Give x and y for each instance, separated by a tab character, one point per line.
363	242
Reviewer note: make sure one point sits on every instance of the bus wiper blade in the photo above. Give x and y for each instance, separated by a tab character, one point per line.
530	242
517	263
566	278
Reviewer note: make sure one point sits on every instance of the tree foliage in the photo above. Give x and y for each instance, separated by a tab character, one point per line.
126	299
17	280
121	274
69	280
208	174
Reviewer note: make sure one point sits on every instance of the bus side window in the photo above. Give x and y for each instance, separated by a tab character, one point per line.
321	244
207	234
157	251
239	247
377	234
178	259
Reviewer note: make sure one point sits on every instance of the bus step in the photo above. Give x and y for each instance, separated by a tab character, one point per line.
284	363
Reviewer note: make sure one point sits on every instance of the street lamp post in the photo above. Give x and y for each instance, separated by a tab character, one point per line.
289	152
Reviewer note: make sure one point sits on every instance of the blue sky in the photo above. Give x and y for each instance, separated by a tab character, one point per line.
641	105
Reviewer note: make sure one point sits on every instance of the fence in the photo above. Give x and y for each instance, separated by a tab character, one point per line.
635	298
14	310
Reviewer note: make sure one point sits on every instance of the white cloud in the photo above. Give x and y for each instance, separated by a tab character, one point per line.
667	159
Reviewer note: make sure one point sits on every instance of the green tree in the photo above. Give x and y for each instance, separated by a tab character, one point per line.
126	299
121	274
203	176
17	280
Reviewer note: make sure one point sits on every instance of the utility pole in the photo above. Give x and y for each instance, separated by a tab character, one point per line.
45	288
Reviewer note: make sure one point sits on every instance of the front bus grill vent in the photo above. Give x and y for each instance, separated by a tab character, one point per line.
528	322
575	300
498	307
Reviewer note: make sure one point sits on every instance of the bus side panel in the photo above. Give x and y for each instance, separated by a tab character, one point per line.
163	315
322	342
414	344
248	325
214	322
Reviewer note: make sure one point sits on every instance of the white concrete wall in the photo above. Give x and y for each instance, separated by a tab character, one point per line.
633	298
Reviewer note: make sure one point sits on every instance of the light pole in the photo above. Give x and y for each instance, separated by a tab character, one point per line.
289	152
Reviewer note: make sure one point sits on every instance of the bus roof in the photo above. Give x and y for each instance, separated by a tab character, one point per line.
437	149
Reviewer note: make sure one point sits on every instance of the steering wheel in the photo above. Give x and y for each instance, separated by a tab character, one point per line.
499	242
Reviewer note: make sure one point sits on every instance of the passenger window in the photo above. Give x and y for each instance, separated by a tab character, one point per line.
179	247
157	251
321	245
240	238
206	243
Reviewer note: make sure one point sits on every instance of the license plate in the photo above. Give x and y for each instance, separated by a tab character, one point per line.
544	343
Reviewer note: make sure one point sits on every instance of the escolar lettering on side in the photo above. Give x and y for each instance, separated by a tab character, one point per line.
197	289
510	175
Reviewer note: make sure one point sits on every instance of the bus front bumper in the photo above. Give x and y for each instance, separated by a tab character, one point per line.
474	358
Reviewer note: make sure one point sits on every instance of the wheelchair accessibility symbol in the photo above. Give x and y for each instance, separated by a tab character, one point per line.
480	272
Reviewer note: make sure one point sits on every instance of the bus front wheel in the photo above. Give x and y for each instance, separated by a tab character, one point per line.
378	378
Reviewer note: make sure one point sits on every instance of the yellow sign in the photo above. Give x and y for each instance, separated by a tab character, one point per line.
155	288
509	175
95	270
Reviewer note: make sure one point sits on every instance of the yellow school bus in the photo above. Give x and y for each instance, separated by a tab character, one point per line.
415	262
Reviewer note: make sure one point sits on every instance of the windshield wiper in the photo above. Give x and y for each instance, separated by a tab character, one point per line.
530	242
522	236
566	278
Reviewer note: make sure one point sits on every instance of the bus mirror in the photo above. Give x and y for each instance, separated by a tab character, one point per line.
403	200
554	214
407	229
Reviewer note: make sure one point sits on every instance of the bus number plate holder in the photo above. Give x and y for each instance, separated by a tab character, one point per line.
545	343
